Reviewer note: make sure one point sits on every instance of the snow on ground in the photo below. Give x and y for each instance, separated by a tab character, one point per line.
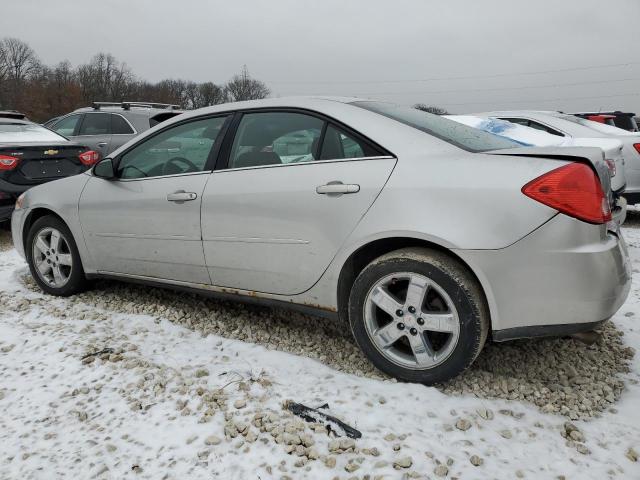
168	402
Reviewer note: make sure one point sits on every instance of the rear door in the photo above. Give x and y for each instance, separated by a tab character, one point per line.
121	132
95	132
294	188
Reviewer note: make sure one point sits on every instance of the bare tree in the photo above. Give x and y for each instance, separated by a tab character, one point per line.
243	87
430	109
20	61
104	78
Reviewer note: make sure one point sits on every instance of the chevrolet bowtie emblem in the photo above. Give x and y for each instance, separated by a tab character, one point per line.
50	152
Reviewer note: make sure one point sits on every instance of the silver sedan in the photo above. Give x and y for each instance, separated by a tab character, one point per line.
425	236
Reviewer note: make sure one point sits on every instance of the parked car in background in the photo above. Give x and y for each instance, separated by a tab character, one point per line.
623	120
565	125
106	126
527	136
424	236
606	119
31	154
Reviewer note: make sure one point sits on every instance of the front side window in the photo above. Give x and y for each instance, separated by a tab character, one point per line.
275	138
462	136
66	126
181	149
96	124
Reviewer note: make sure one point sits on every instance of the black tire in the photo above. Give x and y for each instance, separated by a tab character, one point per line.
458	283
77	281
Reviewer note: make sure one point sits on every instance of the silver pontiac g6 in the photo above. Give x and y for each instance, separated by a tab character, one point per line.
426	236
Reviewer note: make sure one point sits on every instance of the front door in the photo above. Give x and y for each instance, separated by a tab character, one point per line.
294	189
146	222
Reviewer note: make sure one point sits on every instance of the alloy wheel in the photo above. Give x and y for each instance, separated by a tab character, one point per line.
52	257
411	320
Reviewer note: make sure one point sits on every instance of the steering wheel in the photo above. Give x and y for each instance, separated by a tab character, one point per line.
191	167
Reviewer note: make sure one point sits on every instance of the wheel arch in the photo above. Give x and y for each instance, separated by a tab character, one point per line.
368	252
32	217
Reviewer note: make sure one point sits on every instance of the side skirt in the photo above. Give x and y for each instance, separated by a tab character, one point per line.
219	293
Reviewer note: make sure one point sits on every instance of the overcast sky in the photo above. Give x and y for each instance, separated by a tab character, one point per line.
465	55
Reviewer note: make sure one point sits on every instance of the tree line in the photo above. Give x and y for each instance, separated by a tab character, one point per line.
43	92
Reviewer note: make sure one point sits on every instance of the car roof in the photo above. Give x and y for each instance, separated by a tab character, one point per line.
12	114
14	121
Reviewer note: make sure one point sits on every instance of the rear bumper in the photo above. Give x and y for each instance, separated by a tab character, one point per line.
565	277
9	192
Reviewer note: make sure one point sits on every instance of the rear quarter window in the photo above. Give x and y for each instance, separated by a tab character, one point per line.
462	136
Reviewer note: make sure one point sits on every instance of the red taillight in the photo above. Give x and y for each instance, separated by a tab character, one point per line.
574	190
8	163
89	158
637	147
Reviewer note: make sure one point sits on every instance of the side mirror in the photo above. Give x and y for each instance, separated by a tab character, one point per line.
104	169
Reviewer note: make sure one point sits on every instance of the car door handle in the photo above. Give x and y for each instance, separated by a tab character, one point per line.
102	144
181	196
337	188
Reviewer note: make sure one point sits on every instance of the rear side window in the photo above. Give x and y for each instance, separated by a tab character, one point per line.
275	138
66	126
96	124
338	144
119	126
466	138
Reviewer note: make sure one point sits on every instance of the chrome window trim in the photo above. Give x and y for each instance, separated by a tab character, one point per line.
156	177
312	162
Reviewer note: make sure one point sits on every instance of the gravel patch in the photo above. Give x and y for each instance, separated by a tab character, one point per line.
558	375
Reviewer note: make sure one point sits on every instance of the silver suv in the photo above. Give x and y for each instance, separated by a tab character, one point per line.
106	126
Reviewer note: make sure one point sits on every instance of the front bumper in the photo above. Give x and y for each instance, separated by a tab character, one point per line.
565	277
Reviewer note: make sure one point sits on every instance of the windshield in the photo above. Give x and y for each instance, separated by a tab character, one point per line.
599	127
27	132
462	136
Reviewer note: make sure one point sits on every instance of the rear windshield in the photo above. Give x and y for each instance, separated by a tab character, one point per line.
27	132
462	136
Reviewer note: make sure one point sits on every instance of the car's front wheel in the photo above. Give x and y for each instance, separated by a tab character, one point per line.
53	257
418	315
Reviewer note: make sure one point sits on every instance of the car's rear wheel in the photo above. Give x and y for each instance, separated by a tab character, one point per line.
53	257
418	315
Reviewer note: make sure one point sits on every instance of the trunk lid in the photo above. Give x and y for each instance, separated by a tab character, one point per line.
41	162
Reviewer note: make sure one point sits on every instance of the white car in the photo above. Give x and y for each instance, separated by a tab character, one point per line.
528	136
564	125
